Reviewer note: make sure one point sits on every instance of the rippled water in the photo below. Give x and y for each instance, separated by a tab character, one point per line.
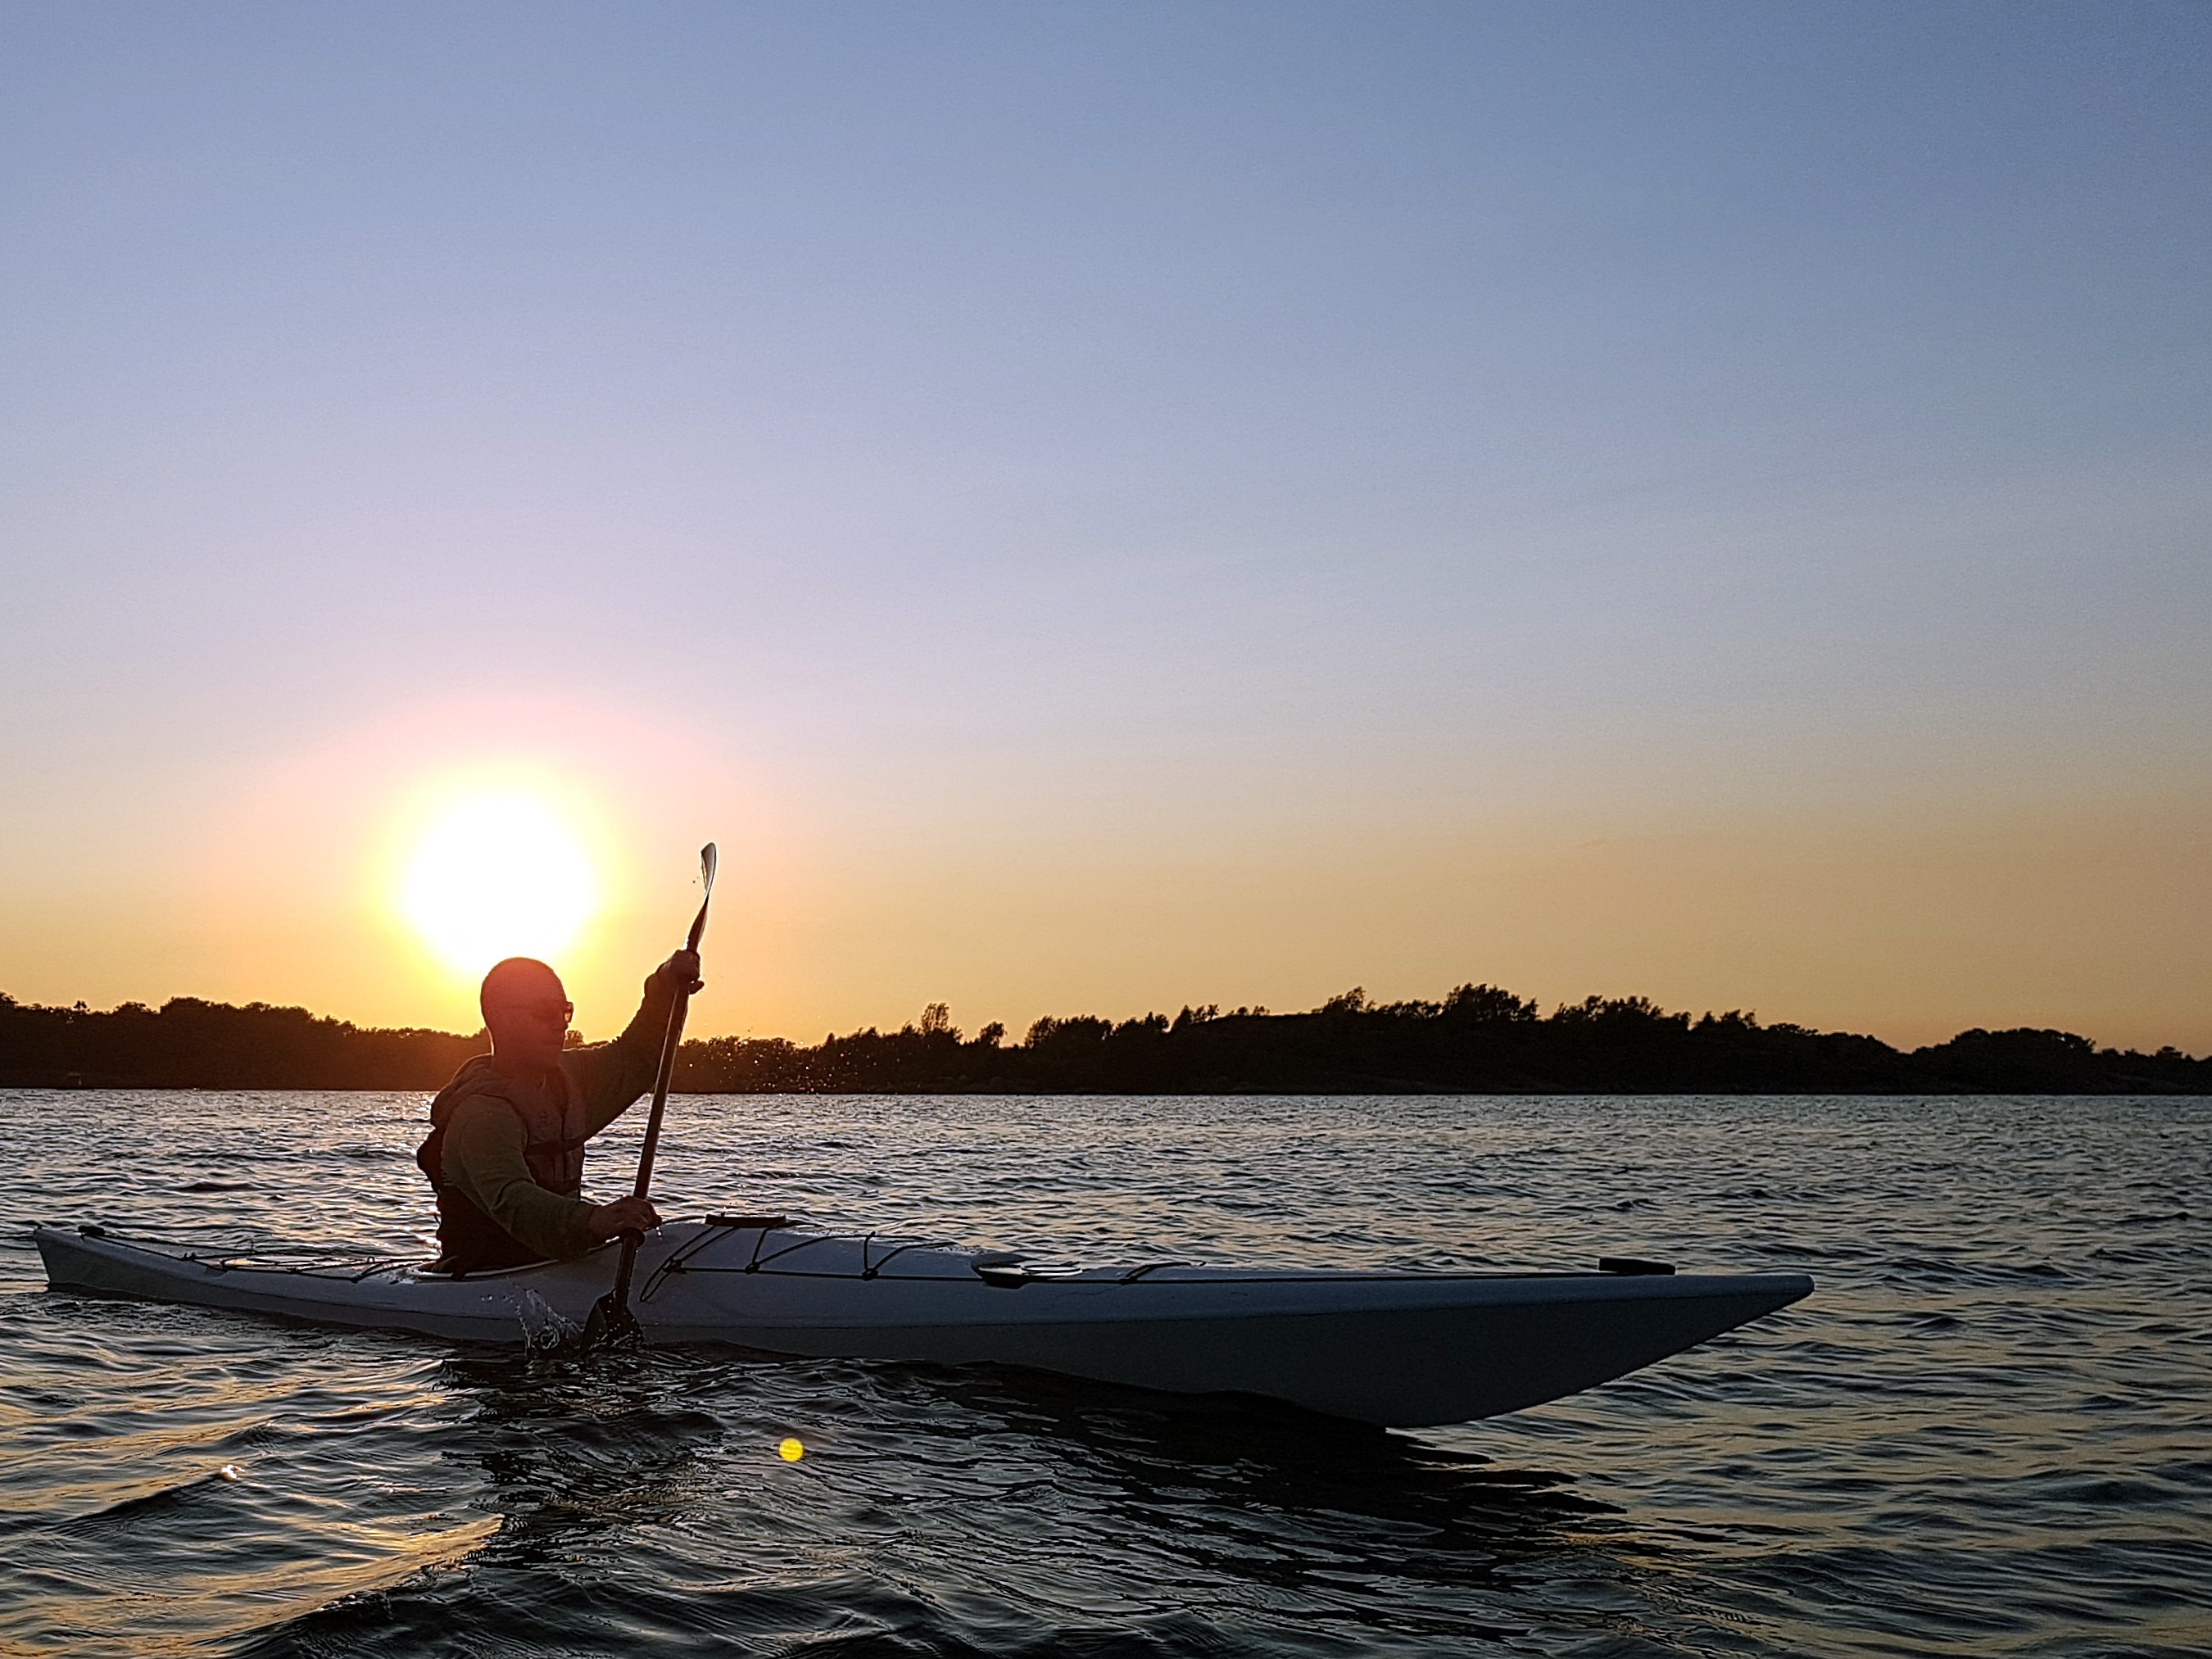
1986	1432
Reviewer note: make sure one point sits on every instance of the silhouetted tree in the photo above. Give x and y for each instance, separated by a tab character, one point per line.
1478	1039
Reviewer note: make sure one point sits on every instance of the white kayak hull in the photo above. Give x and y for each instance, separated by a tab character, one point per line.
1403	1350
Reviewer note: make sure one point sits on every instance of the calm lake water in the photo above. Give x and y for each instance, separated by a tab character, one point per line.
1988	1432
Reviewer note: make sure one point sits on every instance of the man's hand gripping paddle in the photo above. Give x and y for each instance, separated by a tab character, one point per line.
611	1321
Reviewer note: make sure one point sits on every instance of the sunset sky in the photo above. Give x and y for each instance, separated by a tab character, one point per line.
1100	506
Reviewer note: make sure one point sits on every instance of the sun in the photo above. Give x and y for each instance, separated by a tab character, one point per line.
497	876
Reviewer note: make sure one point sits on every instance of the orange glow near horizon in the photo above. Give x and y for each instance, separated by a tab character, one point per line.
855	899
373	872
497	876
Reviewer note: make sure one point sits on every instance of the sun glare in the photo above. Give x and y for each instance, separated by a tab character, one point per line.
499	876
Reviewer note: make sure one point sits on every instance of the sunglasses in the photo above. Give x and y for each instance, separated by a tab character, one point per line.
547	1013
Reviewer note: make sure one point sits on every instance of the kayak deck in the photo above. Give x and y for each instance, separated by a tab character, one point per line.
1401	1349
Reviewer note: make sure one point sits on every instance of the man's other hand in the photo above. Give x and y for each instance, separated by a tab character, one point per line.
681	971
624	1215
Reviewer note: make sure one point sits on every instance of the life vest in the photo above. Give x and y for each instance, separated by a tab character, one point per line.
471	1240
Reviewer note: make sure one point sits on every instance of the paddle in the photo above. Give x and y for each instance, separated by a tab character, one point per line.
611	1320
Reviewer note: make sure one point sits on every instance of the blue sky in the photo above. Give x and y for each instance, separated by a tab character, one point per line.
1135	450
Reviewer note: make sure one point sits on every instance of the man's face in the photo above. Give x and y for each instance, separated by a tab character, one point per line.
529	1023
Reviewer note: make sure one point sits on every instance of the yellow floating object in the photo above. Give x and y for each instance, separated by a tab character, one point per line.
790	1451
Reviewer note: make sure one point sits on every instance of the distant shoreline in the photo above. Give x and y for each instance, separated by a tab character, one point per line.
1479	1040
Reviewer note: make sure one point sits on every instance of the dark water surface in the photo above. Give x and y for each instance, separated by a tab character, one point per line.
1986	1432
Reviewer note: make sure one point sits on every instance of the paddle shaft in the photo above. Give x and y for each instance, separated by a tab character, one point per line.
671	1041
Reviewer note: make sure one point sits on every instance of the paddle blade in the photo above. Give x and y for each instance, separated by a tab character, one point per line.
707	863
610	1326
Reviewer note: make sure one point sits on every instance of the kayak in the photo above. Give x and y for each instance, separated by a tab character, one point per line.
1400	1349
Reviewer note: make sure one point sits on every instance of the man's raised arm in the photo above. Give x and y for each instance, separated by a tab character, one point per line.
610	1076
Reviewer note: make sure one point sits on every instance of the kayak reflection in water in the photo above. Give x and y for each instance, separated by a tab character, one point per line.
506	1148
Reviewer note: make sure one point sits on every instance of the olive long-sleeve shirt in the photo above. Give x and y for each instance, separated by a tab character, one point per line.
485	1112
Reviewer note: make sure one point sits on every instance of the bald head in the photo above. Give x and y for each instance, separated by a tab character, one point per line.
527	1010
521	980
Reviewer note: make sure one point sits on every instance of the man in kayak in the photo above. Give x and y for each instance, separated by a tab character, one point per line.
506	1148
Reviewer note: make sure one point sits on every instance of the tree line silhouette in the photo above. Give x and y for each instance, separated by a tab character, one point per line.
1478	1040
